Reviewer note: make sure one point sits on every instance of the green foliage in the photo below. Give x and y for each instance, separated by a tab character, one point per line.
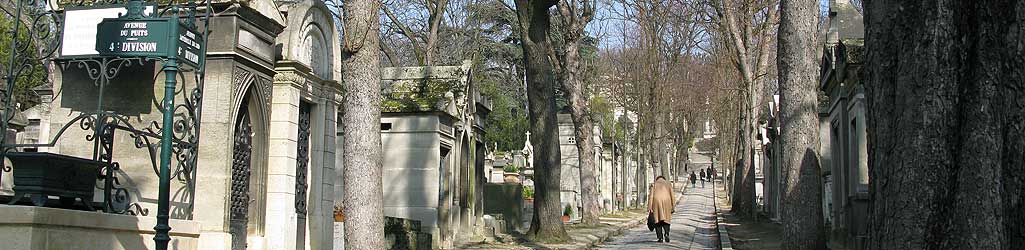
32	74
500	73
528	192
511	169
602	112
507	122
568	211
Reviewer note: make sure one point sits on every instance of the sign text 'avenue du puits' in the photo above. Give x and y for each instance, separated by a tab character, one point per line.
148	37
132	37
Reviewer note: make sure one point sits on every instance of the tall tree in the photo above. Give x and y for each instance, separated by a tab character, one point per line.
574	15
423	42
946	124
798	75
747	25
535	25
361	116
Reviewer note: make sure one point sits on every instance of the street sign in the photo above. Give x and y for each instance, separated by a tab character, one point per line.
189	46
133	37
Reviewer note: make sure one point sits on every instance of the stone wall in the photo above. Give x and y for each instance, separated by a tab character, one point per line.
507	200
405	234
31	228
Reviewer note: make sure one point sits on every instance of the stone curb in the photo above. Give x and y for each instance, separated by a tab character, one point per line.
724	236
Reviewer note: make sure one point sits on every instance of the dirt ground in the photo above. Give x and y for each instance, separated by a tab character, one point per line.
748	234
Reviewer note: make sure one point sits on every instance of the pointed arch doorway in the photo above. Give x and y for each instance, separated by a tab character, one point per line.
241	169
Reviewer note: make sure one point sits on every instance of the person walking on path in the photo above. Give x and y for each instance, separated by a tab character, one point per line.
662	204
693	179
702	177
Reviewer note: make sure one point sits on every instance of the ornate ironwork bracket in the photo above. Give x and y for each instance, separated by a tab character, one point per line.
35	40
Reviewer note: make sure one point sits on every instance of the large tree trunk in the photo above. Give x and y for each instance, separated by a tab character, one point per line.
583	128
546	226
642	172
752	63
744	183
624	165
638	165
946	124
798	75
682	157
364	206
662	149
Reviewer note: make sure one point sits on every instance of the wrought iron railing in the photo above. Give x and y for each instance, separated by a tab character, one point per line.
42	20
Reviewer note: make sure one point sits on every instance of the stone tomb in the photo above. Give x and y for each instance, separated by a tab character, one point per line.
268	139
433	150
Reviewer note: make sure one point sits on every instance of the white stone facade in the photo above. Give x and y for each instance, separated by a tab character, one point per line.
268	62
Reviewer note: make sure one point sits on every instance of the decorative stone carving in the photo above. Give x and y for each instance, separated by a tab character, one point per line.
243	78
288	76
267	86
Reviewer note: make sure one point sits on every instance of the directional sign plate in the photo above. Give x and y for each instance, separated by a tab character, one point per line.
140	37
190	45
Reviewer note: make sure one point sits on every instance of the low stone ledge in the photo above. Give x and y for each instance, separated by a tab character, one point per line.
28	227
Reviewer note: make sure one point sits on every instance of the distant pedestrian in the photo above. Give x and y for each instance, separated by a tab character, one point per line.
702	178
693	179
661	206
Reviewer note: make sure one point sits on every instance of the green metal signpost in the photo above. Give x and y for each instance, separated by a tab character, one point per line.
135	35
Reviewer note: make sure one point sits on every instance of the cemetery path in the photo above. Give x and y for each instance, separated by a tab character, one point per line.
693	226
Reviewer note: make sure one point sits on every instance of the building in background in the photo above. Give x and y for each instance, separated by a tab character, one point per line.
843	147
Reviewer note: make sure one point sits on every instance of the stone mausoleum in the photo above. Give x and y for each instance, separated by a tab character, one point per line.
843	124
265	160
434	153
603	167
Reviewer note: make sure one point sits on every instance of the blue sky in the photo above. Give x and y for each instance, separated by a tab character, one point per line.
607	26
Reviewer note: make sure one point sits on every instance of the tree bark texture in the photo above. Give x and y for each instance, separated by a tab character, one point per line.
744	184
624	169
572	83
798	78
662	149
583	130
752	62
946	124
642	172
364	206
535	23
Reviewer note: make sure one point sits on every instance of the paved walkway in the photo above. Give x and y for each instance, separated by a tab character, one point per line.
693	226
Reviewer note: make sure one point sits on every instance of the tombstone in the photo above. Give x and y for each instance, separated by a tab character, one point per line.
433	149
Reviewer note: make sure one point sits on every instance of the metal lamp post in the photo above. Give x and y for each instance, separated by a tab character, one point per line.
170	80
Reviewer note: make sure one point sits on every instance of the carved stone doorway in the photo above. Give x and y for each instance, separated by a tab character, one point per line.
240	173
